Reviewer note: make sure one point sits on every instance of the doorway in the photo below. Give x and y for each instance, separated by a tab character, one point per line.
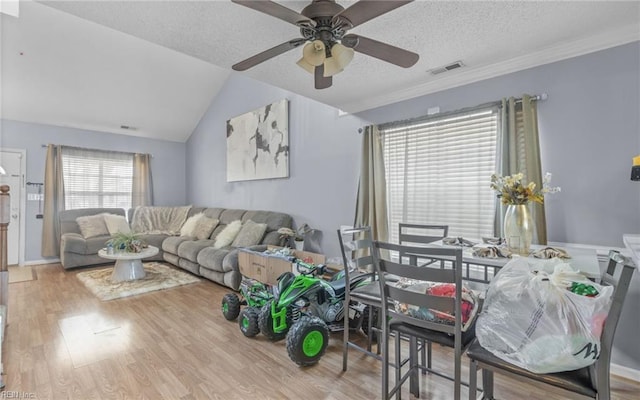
13	162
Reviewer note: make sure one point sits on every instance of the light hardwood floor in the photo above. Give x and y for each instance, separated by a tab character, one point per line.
63	343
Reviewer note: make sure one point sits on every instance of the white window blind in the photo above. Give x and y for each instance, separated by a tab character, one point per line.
96	178
439	171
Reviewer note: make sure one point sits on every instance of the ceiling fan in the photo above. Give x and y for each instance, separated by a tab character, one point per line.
323	26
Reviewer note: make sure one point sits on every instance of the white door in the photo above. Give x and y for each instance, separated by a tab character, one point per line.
11	162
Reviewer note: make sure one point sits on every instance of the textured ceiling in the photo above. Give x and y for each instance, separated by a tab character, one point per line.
490	38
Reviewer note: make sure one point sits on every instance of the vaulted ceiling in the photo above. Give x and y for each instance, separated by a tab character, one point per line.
155	66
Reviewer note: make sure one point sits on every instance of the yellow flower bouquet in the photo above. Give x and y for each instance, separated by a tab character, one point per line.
511	190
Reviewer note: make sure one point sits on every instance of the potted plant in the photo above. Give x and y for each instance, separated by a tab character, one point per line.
127	242
297	235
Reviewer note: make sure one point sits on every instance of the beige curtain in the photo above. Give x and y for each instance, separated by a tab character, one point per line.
371	204
519	151
142	188
53	201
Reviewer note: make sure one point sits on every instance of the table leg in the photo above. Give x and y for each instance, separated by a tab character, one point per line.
127	270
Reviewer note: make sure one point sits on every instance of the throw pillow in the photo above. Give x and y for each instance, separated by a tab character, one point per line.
189	226
225	238
204	227
250	234
92	226
116	223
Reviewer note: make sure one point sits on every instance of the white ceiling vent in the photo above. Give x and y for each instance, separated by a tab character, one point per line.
446	68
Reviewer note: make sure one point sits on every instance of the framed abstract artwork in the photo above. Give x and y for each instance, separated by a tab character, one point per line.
258	144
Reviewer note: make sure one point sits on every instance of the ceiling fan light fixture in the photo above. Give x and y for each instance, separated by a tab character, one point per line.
328	49
331	67
302	63
314	53
341	56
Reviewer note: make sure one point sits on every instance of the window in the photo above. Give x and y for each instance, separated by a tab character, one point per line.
438	172
95	178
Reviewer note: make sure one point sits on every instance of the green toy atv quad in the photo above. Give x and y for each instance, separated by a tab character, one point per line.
254	295
305	308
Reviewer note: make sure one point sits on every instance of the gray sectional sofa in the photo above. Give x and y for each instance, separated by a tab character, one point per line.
196	256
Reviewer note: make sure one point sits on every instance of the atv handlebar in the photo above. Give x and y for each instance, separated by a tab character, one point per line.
309	269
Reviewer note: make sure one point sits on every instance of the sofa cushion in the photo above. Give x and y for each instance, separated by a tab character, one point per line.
67	218
116	224
153	239
273	238
204	227
92	226
274	220
212	258
75	243
229	215
214	212
190	224
250	234
190	249
228	234
172	243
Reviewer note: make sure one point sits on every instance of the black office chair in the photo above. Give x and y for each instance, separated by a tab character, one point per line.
592	381
358	256
409	325
419	235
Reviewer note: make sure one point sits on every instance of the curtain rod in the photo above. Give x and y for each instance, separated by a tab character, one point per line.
86	148
538	97
424	118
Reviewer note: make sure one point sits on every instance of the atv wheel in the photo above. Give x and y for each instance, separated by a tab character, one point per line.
248	321
374	323
230	306
307	341
265	322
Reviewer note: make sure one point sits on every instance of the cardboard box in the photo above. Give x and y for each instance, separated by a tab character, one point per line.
267	269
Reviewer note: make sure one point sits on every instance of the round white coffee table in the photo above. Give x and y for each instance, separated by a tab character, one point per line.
128	265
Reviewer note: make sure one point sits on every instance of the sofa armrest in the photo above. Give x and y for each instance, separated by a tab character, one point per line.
273	238
258	247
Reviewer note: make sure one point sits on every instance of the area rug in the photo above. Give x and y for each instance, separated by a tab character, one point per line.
20	274
158	277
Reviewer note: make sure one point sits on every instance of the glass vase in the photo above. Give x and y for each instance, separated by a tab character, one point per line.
518	228
299	244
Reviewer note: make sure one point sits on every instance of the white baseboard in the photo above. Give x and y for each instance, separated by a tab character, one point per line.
43	261
625	372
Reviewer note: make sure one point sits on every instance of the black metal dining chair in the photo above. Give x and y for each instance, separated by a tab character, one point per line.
396	298
358	255
419	235
591	381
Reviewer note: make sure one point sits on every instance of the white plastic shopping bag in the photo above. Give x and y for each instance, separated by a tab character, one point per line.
533	319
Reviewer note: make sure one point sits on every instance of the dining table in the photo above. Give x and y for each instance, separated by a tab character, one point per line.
483	269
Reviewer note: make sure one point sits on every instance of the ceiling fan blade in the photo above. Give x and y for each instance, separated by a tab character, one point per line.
364	10
386	52
321	81
278	11
267	54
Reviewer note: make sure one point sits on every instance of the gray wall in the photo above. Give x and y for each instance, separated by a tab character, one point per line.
323	163
589	129
167	164
589	132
